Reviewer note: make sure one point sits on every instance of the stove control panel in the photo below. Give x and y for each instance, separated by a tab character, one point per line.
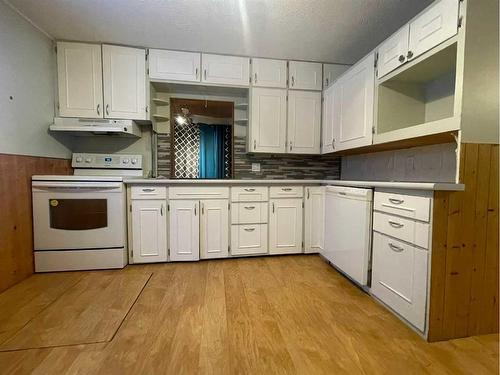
103	161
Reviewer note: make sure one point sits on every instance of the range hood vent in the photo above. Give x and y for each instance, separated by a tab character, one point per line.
92	127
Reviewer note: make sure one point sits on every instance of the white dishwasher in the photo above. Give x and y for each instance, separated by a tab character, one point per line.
348	222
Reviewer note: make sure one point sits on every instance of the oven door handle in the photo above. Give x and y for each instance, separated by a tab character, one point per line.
50	185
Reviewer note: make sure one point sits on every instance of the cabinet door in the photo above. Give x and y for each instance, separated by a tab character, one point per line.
267	120
399	278
174	65
79	73
304	122
331	72
226	70
285	226
214	231
149	231
124	82
305	75
314	219
392	53
434	25
353	106
327	125
269	73
249	239
184	230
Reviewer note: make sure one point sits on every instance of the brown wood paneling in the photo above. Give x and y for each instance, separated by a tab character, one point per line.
464	278
16	232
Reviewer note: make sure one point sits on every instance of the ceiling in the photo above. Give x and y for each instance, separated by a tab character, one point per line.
339	31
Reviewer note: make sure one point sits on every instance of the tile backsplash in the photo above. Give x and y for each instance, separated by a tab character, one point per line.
271	166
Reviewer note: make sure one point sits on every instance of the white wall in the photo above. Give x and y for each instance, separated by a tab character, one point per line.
27	89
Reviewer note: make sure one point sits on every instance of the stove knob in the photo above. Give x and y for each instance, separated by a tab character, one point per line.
79	159
125	161
134	161
88	160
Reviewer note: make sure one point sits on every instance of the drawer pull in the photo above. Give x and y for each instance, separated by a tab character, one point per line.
250	189
395	248
286	189
395	224
148	190
249	229
396	200
249	207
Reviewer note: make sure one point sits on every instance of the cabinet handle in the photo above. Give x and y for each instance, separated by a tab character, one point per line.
409	55
395	224
273	207
205	73
161	210
202	209
249	207
98	109
254	144
307	193
249	229
107	109
395	248
326	82
249	189
290	145
286	189
148	190
196	73
396	200
293	81
401	58
194	210
255	78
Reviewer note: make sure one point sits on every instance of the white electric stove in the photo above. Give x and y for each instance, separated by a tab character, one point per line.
79	220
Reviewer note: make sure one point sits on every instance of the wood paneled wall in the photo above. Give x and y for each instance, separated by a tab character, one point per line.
464	278
16	232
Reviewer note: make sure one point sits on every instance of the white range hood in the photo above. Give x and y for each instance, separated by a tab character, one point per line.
89	127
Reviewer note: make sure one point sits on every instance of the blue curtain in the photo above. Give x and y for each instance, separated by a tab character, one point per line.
211	151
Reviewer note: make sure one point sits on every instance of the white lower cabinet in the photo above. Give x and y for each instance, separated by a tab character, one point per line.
314	219
149	231
214	229
399	278
248	239
184	230
285	226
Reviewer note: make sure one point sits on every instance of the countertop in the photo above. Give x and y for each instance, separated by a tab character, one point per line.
362	184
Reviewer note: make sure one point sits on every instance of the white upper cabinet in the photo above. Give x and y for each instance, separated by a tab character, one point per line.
184	230
79	71
331	72
434	25
267	130
285	226
392	52
269	73
174	65
214	231
305	75
149	231
124	82
314	219
353	102
226	70
304	122
328	124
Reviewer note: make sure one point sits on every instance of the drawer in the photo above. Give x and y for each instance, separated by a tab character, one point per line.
287	191
249	213
249	194
198	192
412	206
399	278
407	230
249	239
148	192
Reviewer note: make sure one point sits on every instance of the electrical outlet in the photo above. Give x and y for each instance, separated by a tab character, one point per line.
255	167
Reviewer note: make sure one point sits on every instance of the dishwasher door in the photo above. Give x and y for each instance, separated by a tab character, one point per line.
348	225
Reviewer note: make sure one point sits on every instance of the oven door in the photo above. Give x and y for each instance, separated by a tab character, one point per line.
78	215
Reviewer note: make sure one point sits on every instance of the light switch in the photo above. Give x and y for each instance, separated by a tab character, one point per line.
255	167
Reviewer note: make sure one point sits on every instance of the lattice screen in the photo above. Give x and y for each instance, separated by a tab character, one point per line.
187	151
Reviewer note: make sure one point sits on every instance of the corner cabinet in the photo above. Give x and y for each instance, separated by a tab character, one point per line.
349	115
305	75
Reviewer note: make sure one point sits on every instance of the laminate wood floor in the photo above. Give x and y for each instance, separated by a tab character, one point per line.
269	315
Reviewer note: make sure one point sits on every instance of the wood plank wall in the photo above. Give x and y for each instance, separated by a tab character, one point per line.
16	232
464	265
